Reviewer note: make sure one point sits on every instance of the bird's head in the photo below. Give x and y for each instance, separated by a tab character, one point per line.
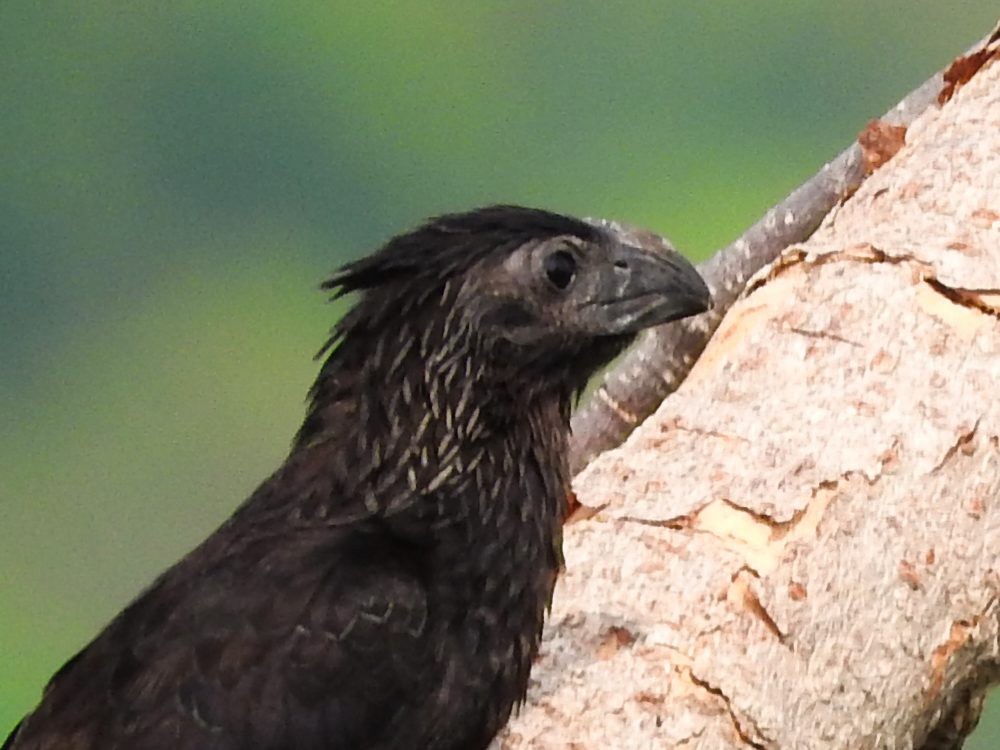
572	288
531	289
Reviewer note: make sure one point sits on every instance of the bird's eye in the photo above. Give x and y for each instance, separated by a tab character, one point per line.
560	268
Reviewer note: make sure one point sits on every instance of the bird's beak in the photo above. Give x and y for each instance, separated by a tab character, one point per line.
651	288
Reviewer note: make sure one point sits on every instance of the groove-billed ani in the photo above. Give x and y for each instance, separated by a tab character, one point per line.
385	588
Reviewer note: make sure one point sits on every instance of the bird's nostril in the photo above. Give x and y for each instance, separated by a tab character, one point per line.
622	264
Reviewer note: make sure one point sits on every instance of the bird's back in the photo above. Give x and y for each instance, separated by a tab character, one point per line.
308	638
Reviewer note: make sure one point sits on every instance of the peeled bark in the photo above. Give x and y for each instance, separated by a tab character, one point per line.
801	548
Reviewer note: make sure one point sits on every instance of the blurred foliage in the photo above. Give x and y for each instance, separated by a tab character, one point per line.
175	179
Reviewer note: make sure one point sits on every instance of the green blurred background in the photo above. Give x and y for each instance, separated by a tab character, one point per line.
176	178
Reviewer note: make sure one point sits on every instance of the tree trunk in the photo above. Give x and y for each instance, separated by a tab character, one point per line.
801	548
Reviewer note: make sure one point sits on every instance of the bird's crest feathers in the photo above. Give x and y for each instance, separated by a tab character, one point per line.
448	244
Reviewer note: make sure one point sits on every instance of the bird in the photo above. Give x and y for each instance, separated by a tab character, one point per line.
386	587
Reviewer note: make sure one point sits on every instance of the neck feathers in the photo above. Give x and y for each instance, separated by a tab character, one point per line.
417	402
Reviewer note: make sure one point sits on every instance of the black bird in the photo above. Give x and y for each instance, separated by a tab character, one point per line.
385	588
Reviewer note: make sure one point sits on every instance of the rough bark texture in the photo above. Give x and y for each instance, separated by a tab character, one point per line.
801	548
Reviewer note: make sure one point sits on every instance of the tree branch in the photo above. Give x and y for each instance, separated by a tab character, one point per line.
799	550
